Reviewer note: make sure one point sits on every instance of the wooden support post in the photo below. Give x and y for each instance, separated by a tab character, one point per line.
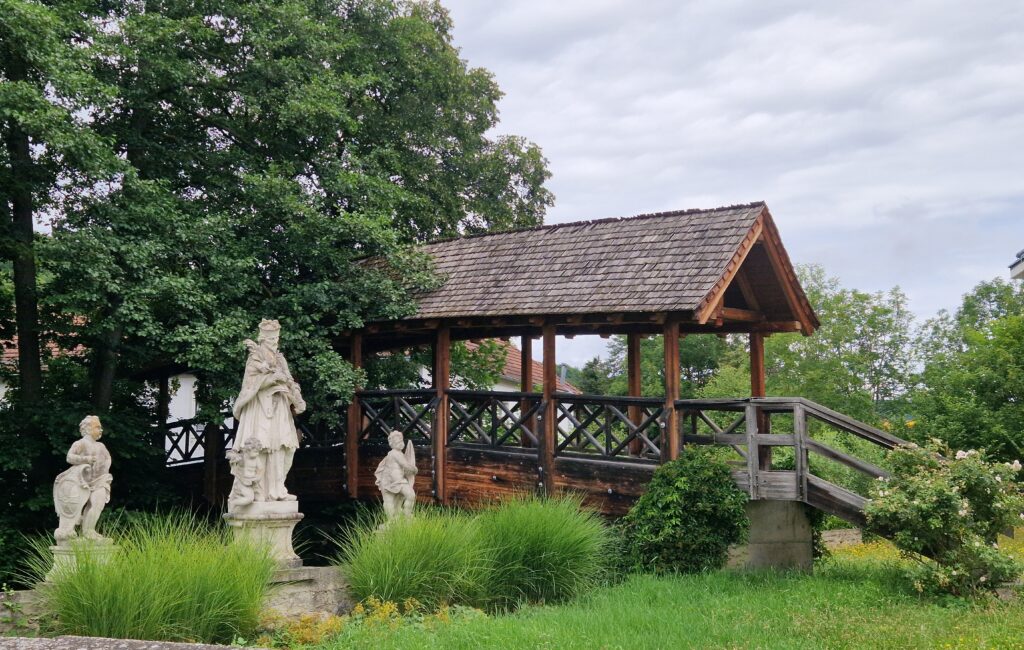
526	386
633	375
546	455
439	441
213	451
354	424
757	389
670	439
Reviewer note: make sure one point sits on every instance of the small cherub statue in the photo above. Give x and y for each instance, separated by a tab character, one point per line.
81	492
395	475
246	466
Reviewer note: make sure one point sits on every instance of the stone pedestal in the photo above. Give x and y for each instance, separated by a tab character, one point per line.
780	536
66	554
309	590
271	523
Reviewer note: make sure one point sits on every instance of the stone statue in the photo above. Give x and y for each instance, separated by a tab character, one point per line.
395	475
247	466
79	493
265	410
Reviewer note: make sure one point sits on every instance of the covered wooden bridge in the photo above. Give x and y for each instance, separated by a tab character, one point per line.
720	271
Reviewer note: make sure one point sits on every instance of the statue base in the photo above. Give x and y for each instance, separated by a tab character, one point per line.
67	553
271	523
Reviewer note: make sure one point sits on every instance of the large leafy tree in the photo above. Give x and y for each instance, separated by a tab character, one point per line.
271	145
972	386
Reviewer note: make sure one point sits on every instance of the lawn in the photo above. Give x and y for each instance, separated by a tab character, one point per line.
854	600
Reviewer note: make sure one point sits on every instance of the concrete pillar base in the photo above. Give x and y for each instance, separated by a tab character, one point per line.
780	536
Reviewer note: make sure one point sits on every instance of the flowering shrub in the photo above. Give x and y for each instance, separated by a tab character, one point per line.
945	513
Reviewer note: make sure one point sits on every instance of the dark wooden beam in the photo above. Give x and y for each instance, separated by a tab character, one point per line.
354	423
670	438
442	381
743	315
758	389
635	388
546	455
526	383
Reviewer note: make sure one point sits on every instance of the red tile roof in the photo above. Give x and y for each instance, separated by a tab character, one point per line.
513	368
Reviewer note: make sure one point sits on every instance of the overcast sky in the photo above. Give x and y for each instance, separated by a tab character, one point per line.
886	137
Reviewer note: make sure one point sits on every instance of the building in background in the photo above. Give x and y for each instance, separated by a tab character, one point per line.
1017	268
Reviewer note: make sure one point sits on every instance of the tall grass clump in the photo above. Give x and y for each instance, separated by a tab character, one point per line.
173	578
543	550
437	558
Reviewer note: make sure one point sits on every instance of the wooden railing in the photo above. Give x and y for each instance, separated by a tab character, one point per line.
613	430
494	419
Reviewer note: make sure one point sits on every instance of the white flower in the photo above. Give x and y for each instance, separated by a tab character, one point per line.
982	579
999	479
960	455
1015	465
963	512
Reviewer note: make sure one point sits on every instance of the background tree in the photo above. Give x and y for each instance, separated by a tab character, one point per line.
971	393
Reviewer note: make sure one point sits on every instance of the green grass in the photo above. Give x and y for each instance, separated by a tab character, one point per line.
173	578
854	600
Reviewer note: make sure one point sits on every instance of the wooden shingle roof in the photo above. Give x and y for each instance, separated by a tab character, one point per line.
668	261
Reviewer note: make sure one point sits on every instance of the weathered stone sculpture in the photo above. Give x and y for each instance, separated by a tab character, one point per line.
395	475
260	508
81	492
79	495
265	409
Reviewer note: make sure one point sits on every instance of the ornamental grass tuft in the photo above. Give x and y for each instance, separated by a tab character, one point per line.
173	578
543	550
437	558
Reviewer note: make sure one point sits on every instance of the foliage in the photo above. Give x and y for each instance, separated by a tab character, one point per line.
437	558
172	578
690	514
946	512
543	550
369	623
972	387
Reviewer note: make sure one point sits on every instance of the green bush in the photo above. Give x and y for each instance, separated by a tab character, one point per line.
690	515
543	550
437	558
944	511
173	578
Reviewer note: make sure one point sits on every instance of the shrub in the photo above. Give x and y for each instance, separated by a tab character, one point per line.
690	515
944	511
172	579
543	550
437	558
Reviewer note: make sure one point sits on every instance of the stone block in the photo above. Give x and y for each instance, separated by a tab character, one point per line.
271	523
307	590
780	536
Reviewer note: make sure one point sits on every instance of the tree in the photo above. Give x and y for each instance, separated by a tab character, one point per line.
972	387
46	92
272	145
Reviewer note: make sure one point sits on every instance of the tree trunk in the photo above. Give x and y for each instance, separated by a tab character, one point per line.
105	368
22	254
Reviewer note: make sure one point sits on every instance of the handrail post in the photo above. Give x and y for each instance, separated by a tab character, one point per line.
800	450
752	448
